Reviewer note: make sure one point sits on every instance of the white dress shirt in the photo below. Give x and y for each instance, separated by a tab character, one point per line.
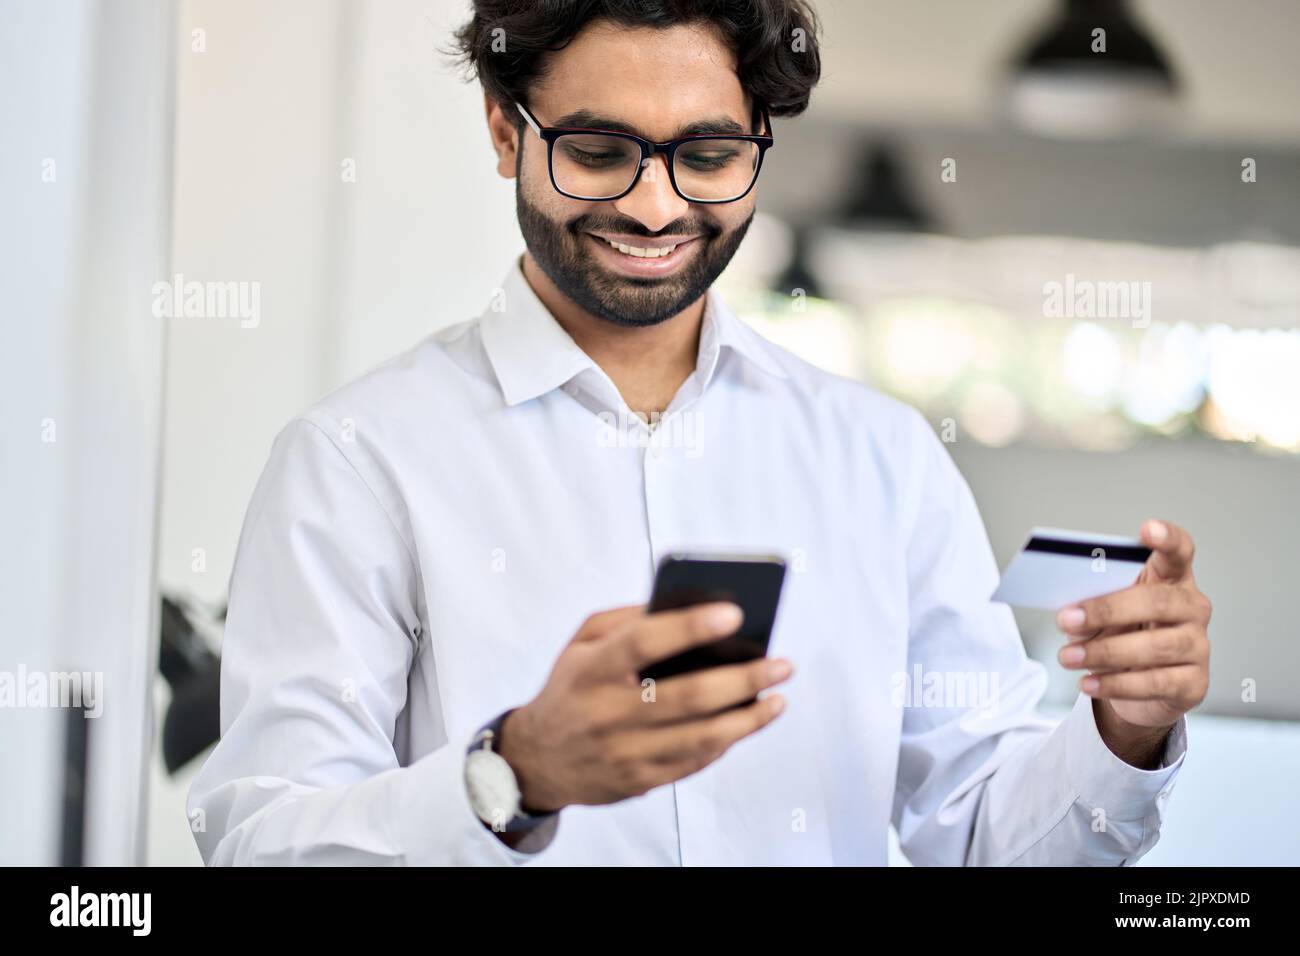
425	541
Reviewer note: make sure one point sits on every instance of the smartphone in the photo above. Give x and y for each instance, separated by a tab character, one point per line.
753	583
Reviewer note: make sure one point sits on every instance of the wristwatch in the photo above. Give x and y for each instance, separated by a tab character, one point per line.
493	788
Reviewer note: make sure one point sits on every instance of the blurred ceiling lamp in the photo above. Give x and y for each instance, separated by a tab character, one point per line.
1093	74
1092	363
993	414
880	200
797	278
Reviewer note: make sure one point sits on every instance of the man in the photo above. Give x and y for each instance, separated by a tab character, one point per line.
412	669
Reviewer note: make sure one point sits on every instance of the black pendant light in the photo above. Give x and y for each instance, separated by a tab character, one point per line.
1093	73
881	200
798	275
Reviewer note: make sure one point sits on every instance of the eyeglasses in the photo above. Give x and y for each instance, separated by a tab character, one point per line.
601	165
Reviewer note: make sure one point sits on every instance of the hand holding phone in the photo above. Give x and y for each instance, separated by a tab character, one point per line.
752	583
594	735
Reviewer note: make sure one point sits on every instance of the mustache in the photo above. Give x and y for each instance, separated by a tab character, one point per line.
630	227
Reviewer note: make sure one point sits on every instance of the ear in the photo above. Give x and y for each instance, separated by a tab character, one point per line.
505	135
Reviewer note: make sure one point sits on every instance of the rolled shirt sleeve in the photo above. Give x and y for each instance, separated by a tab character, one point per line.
989	781
323	626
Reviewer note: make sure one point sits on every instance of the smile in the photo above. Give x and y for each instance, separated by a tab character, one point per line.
641	252
638	258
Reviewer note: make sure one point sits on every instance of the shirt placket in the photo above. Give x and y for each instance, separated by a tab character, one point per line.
663	469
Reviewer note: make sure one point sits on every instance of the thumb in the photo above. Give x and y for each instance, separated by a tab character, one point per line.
1172	550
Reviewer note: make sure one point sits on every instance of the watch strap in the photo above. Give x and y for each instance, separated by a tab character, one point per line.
489	737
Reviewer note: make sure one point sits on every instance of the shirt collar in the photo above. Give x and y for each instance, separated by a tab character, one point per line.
722	329
531	353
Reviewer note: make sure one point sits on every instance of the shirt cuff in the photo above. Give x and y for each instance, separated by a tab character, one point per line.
440	827
1104	781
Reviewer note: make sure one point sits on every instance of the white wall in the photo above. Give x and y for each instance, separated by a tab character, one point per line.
86	111
350	272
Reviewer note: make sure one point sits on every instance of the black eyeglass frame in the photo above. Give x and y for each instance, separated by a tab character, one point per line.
549	134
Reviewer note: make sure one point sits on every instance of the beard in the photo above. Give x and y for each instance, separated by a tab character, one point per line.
561	251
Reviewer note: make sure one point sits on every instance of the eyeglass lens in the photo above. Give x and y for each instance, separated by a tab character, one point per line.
598	166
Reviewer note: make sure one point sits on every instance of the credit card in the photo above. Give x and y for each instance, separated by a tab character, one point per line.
1057	568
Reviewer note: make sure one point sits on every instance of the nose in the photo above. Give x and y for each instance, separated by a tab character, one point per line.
652	201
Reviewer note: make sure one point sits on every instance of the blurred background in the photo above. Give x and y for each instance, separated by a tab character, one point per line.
1084	270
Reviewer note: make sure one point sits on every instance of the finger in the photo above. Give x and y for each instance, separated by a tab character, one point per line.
605	622
1159	647
709	691
1138	604
681	749
1172	550
1178	685
655	637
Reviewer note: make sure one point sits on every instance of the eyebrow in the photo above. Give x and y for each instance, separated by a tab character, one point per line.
586	119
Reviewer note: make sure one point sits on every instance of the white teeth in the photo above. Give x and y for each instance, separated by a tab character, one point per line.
640	252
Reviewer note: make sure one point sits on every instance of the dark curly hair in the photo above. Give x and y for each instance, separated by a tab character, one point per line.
775	64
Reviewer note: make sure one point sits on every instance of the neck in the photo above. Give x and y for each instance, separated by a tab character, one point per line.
648	364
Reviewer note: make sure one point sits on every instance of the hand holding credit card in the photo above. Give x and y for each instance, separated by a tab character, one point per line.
1135	624
1058	567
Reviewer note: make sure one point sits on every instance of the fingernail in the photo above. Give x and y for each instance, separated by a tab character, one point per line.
775	704
725	617
1070	618
778	669
1157	530
1072	656
1089	685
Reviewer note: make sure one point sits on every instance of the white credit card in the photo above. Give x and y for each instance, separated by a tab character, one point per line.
1057	568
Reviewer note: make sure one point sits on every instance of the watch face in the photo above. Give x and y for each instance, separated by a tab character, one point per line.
493	791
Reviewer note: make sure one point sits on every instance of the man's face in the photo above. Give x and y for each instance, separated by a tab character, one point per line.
659	84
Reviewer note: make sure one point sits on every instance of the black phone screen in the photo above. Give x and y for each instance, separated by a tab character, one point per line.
752	583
